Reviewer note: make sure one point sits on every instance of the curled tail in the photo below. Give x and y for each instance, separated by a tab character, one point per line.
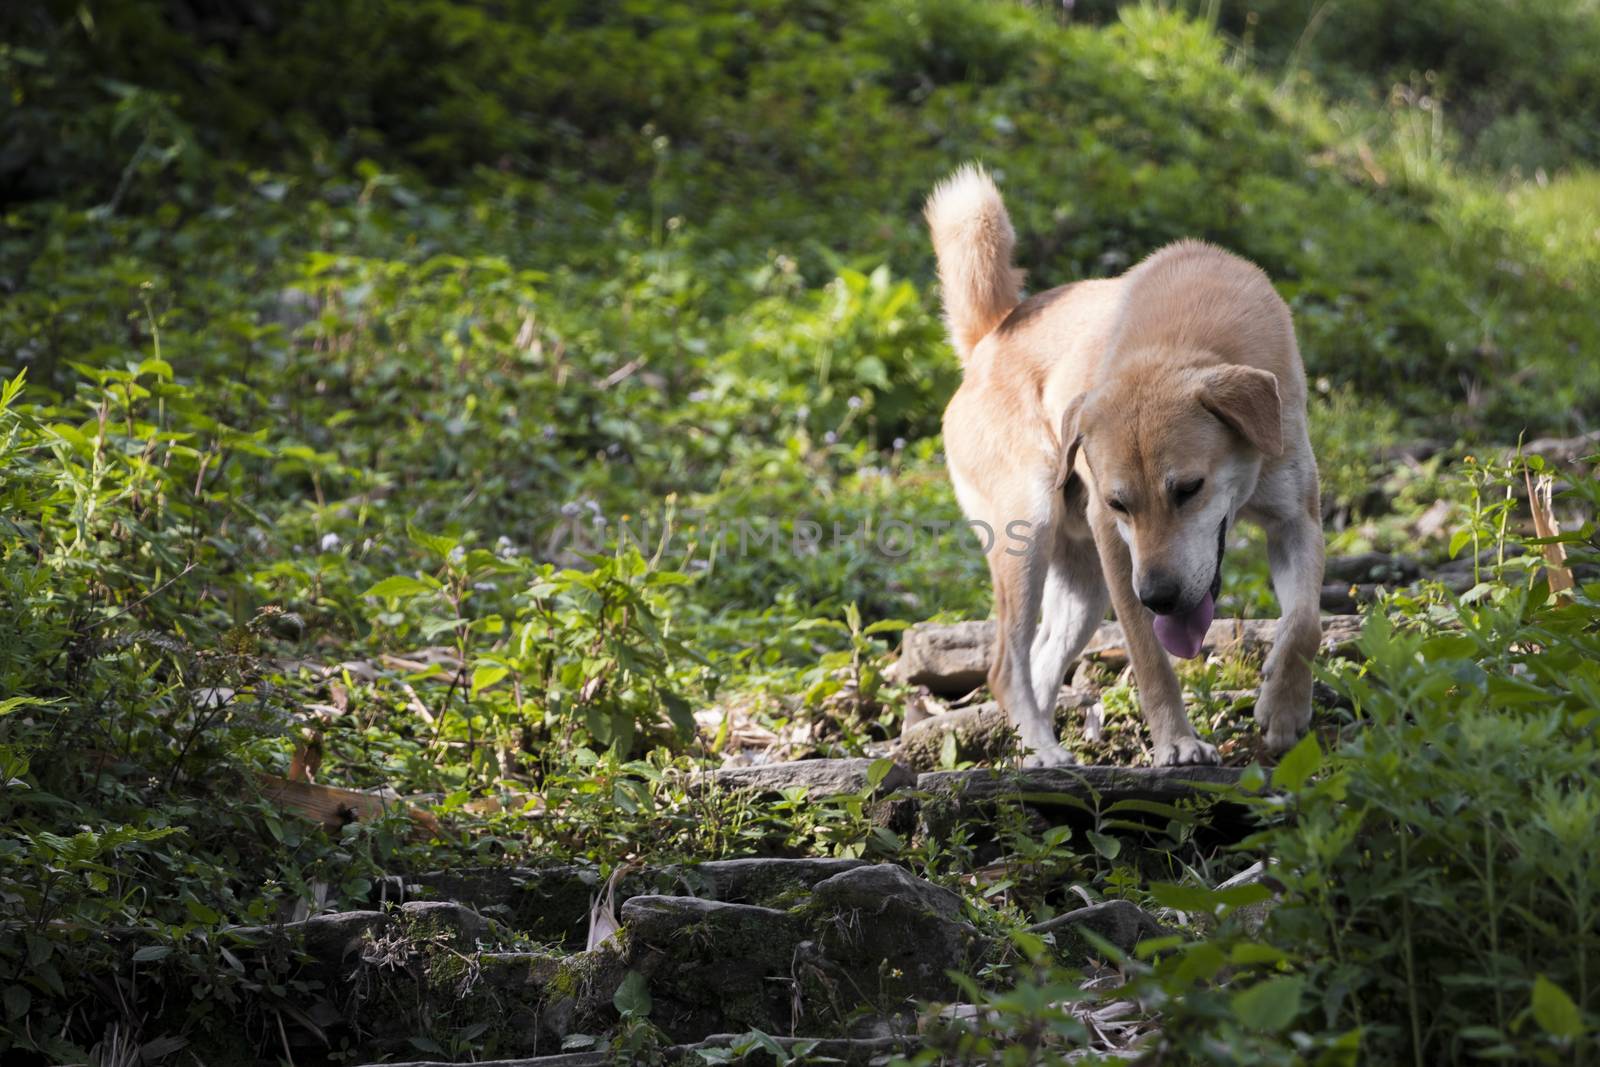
973	240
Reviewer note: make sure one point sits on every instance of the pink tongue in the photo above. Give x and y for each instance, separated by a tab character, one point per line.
1182	635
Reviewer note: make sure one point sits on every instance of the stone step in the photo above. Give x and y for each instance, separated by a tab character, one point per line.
953	658
852	953
1074	787
552	904
1087	797
565	1059
850	1051
820	778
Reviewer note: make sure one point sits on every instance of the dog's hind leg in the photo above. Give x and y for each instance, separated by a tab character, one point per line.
1074	603
1019	568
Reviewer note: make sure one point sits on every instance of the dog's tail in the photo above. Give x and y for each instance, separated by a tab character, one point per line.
973	240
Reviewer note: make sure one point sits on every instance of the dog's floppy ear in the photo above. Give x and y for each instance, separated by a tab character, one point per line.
1071	439
1247	400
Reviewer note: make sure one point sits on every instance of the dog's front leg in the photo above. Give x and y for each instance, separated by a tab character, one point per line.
1172	738
1295	555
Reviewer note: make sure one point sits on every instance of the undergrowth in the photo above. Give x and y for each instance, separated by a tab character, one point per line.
556	385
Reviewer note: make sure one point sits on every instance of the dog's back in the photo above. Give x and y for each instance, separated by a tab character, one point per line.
1193	297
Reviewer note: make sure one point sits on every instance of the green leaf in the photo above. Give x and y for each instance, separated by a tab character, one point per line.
438	544
632	997
1107	846
10	390
152	953
400	585
759	1039
1555	1011
1297	765
948	751
1151	807
487	674
1199	898
18	1001
1271	1005
1032	945
202	913
11	704
1249	953
158	367
878	772
682	715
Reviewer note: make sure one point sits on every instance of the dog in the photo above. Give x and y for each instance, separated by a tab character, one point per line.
1126	424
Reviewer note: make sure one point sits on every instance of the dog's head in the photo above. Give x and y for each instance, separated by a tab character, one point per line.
1173	458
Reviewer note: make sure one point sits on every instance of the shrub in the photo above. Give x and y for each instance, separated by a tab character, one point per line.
1438	899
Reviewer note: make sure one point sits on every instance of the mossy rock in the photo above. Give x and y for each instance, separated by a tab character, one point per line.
712	966
894	935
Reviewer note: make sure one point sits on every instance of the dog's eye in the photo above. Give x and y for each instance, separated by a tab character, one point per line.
1185	492
1117	506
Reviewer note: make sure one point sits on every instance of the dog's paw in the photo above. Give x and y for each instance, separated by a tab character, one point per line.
1048	755
1280	741
1185	750
1282	722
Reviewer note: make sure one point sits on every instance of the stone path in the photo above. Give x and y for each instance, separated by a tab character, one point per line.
841	949
951	659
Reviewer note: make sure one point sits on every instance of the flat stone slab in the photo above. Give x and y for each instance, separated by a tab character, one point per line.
982	732
762	879
335	937
819	777
1073	786
949	658
653	917
566	1059
876	886
553	903
854	1052
953	658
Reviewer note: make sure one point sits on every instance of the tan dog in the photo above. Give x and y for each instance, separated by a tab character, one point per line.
1109	433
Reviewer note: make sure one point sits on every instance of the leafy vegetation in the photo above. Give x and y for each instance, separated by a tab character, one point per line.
462	397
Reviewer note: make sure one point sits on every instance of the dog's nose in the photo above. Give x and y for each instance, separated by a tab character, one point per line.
1159	592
